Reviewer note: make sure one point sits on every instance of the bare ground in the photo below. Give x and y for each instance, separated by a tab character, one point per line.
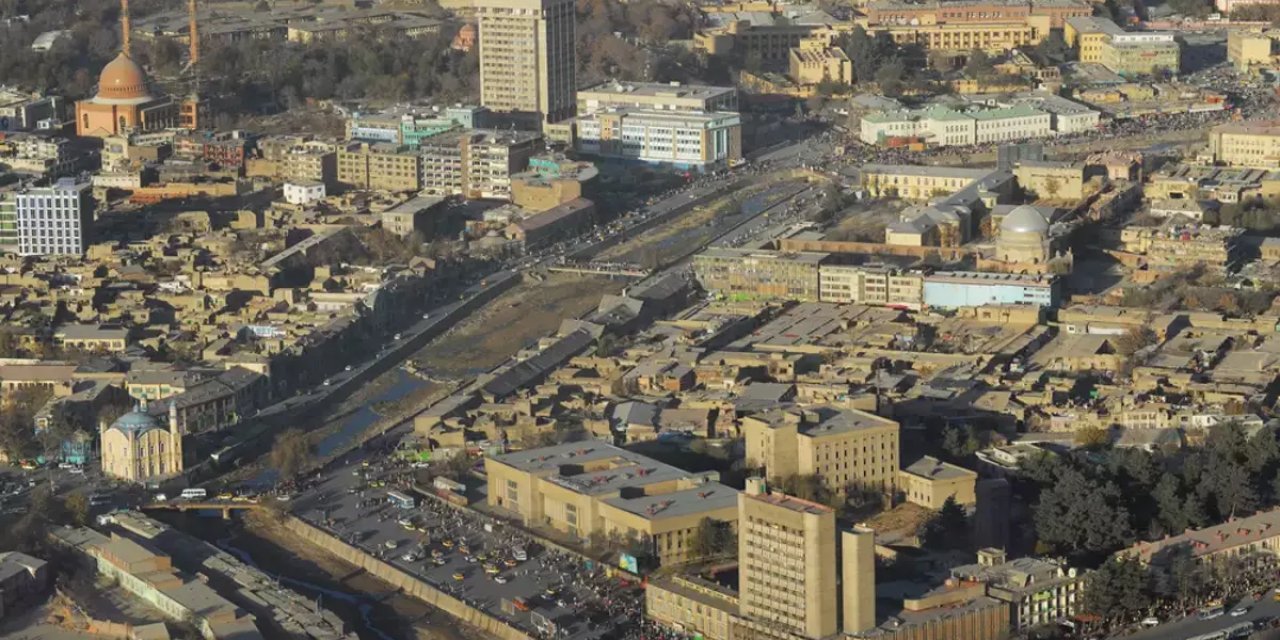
511	322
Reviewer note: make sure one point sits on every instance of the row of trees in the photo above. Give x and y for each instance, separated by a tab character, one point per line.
1088	505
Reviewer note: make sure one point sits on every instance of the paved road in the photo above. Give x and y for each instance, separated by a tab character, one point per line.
1193	627
350	501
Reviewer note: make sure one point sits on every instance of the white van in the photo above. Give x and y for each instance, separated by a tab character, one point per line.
194	494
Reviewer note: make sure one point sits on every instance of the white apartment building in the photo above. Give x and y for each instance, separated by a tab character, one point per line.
55	220
689	140
303	193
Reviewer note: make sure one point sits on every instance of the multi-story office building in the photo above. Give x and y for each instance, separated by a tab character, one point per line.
476	164
8	221
786	571
1246	144
877	285
1248	48
527	57
656	96
592	488
1125	52
749	274
842	446
1039	592
1139	54
993	37
974	11
382	167
55	220
685	140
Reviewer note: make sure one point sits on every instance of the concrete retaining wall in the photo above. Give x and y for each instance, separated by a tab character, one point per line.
408	584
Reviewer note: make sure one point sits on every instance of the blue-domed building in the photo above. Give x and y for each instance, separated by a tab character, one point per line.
141	446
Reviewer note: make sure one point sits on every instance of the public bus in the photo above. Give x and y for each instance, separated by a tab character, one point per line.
401	500
194	494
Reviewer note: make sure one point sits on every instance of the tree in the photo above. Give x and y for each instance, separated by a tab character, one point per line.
714	539
1118	590
1082	517
291	453
1091	436
980	67
76	507
889	77
1190	8
1052	187
1135	339
947	529
1053	49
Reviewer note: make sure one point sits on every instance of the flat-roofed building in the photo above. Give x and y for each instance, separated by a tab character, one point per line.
684	140
1039	592
952	289
477	163
993	37
591	488
1246	49
818	62
527	61
915	182
56	220
657	96
750	274
867	284
560	221
929	482
1185	245
379	167
844	447
1246	144
787	573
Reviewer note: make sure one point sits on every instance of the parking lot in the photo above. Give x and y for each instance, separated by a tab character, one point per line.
548	593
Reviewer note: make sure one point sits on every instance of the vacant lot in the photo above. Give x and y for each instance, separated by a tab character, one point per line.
513	321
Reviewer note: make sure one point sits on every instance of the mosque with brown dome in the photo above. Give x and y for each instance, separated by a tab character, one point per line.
124	102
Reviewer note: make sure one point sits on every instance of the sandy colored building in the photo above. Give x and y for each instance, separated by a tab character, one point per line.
929	482
1050	179
990	37
138	447
866	284
843	446
758	274
527	57
1246	49
591	489
1251	144
912	182
379	167
786	552
816	61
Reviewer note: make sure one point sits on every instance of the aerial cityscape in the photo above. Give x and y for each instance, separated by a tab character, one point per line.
639	319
